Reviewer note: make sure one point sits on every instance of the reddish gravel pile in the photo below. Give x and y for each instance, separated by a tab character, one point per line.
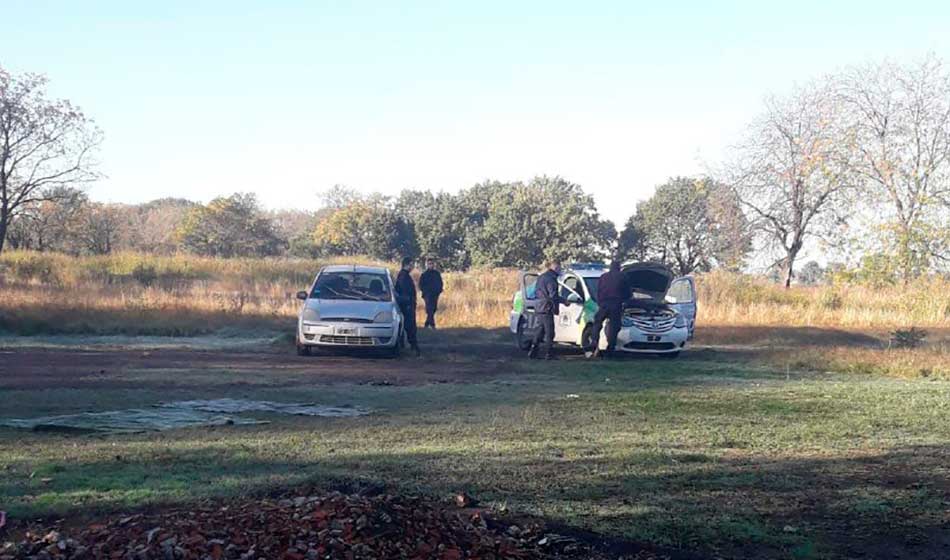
301	528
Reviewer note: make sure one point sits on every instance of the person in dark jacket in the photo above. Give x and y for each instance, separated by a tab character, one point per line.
612	290
405	291
546	309
430	284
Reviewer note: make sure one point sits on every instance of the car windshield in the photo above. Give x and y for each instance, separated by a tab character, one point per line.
365	286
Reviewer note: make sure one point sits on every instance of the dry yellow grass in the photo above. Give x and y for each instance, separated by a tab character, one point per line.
729	299
180	295
135	293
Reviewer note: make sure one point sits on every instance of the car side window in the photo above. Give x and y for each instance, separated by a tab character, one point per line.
680	292
571	284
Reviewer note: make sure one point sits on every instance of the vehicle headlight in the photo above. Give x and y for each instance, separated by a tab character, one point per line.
680	321
383	317
311	315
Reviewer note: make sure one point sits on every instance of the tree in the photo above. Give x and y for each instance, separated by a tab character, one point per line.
49	224
339	196
157	224
690	224
44	145
793	171
901	116
365	227
439	224
99	227
812	274
526	224
233	226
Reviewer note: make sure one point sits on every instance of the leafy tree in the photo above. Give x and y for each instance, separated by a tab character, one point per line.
233	226
526	224
439	225
365	227
811	274
690	224
44	145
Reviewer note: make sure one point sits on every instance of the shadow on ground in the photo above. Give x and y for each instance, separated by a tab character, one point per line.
889	504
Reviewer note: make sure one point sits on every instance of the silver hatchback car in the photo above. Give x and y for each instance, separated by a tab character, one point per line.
350	306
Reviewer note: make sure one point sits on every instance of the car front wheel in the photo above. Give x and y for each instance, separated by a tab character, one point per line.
303	350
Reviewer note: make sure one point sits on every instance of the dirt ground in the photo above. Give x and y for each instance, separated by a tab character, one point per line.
480	356
68	368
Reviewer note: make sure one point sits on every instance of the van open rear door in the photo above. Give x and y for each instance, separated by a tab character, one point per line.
682	297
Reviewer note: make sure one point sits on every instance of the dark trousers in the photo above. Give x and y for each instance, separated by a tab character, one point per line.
545	332
432	305
409	316
612	313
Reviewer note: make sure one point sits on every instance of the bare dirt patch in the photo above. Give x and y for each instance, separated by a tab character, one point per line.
88	369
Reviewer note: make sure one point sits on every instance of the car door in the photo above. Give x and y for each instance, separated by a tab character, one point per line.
529	302
567	327
682	297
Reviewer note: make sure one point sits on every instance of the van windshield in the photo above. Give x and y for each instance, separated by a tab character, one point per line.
366	286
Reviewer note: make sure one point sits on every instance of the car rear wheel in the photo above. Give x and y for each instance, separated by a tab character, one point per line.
522	340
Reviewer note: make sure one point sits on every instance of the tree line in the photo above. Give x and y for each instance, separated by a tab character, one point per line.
856	162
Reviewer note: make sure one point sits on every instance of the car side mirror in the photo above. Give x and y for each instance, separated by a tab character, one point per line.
302	295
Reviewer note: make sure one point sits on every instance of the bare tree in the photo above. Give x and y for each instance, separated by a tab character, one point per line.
792	171
44	144
902	120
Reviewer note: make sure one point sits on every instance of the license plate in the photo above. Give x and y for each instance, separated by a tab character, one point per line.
346	331
653	338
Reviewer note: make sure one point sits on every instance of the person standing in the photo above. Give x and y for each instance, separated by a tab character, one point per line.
612	290
405	291
430	284
546	309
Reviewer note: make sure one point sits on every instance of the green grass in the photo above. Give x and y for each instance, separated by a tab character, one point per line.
700	454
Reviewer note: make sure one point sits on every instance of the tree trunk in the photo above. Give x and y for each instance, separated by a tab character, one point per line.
3	229
790	257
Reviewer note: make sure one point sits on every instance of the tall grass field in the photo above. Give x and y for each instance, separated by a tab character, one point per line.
130	293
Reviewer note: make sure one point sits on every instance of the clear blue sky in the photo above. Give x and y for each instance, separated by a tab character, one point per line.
201	98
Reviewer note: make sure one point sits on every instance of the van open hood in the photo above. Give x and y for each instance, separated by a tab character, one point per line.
650	281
